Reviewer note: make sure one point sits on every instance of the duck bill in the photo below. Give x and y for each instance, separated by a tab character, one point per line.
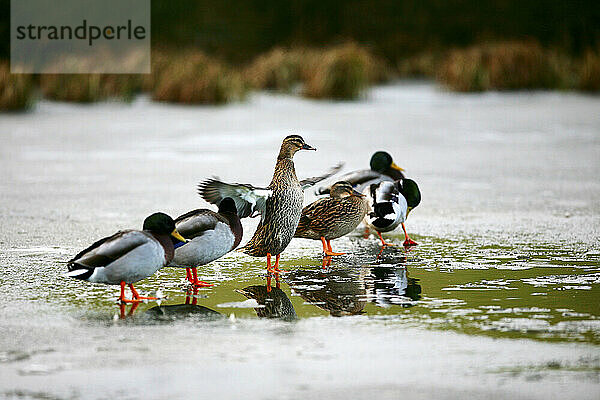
177	236
357	193
307	147
397	168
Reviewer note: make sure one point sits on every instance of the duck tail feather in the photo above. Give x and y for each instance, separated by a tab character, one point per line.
79	273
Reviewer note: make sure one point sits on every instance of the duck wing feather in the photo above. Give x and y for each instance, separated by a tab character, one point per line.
197	222
308	182
355	178
322	210
108	249
249	200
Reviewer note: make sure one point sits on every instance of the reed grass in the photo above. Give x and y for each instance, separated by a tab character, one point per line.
191	77
589	74
88	88
16	90
499	66
342	72
421	65
279	69
339	72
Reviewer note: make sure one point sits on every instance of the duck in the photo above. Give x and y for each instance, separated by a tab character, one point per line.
128	256
382	167
279	204
272	302
390	284
209	235
390	203
341	292
333	217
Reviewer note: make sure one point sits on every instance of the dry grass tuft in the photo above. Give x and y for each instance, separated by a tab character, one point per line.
193	78
279	69
499	66
342	72
15	89
589	74
77	88
87	88
339	72
422	65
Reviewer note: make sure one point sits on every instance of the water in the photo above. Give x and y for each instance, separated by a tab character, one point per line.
500	299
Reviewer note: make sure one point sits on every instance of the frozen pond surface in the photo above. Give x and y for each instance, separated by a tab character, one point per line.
501	299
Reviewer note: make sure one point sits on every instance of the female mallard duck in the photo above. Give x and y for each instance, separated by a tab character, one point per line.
341	292
382	168
391	202
211	235
332	217
128	256
279	204
273	302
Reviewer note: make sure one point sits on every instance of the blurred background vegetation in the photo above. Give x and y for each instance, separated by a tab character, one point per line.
214	51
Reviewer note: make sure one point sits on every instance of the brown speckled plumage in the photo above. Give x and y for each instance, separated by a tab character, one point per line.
334	216
283	207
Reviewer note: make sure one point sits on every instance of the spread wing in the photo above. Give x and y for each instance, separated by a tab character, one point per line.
356	178
248	199
109	249
196	222
308	182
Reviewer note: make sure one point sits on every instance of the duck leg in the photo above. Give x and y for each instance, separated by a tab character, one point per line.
196	282
366	233
383	242
191	296
276	267
408	241
188	275
137	296
123	306
331	252
122	297
269	272
327	248
270	269
195	299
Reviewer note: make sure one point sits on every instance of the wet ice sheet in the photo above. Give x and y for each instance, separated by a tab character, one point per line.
501	297
334	358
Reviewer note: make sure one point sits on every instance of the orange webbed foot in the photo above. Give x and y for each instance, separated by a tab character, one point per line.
333	253
409	242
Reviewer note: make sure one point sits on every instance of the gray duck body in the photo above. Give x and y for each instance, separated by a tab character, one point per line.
127	256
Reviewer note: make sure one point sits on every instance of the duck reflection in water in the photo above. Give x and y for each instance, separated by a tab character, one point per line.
341	292
389	285
273	302
123	310
190	308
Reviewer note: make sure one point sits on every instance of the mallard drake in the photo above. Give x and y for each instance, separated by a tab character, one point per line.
332	217
382	168
210	236
390	204
279	204
128	256
389	285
